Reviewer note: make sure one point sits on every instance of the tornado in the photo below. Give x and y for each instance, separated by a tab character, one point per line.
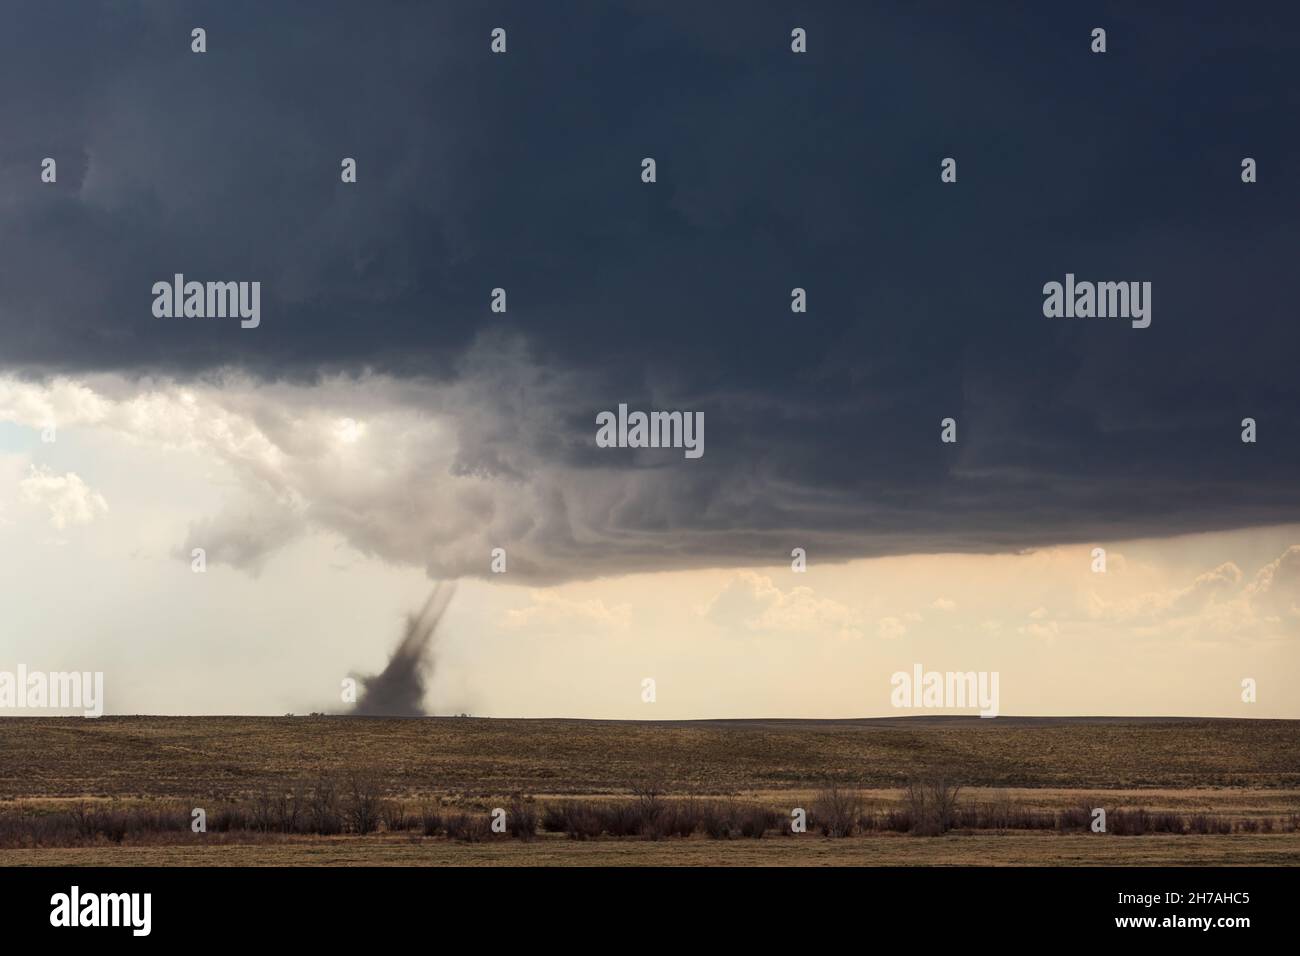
398	690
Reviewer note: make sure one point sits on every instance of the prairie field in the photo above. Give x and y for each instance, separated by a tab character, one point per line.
324	790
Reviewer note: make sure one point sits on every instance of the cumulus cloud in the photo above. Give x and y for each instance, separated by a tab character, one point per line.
891	628
549	611
752	601
1042	630
1223	603
69	500
1275	589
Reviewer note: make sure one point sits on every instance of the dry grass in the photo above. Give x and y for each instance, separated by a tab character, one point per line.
233	757
1012	849
327	790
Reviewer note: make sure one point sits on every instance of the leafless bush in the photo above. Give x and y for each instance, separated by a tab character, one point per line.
896	821
649	801
680	818
467	827
835	812
1128	822
555	817
291	810
581	821
755	821
1168	823
717	820
26	828
1005	815
430	820
86	824
229	818
621	819
83	820
262	810
931	803
521	819
323	814
395	817
1074	818
362	804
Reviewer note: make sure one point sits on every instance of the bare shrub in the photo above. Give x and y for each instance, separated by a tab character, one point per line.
230	818
28	828
1074	818
620	819
361	806
680	818
467	827
262	811
717	820
582	821
395	817
521	819
932	803
1004	815
323	813
755	821
835	812
1168	823
577	819
83	820
430	820
279	810
111	823
649	801
896	821
1129	822
554	818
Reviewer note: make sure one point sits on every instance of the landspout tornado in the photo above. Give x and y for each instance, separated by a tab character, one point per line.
398	690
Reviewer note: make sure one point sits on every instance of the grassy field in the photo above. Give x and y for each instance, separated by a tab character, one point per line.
1008	849
186	757
1243	773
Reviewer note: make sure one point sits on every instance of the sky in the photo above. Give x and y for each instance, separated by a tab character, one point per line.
382	428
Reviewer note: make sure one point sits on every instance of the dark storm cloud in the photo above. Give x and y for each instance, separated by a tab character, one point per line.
775	171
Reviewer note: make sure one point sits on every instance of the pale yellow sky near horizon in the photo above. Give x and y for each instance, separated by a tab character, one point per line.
1152	636
93	531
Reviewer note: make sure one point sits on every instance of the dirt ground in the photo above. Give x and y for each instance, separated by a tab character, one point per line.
1235	769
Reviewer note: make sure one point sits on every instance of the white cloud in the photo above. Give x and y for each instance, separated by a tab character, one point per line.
752	601
70	500
1042	631
552	611
1275	590
891	628
423	474
1220	604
